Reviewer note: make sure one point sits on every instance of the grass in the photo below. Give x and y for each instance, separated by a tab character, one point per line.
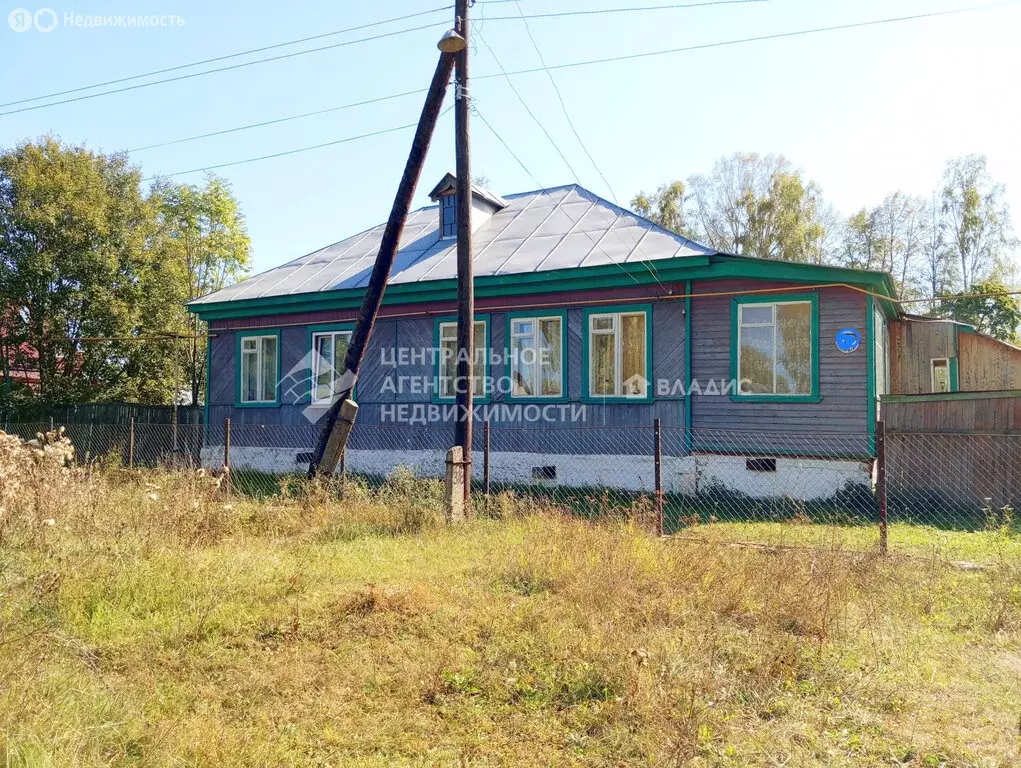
156	623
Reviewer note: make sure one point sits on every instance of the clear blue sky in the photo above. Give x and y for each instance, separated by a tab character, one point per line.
863	112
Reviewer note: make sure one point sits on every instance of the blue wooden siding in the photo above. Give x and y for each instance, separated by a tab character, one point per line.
836	424
606	428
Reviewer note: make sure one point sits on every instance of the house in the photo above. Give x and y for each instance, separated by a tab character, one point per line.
20	367
935	356
591	322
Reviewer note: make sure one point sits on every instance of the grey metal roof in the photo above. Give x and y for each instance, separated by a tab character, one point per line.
547	229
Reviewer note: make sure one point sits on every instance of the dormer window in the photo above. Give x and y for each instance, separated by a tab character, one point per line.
448	216
484	204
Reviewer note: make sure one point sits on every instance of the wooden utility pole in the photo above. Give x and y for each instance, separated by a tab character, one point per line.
465	283
340	418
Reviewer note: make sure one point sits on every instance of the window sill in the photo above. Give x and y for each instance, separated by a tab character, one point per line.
776	398
274	404
530	400
617	400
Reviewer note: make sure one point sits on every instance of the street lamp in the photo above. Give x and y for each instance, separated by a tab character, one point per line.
451	42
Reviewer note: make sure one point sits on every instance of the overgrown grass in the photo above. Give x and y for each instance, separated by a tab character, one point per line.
155	623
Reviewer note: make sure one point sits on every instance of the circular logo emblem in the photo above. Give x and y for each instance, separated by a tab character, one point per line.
45	19
848	339
20	19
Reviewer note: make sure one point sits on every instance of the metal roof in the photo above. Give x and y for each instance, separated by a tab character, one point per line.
548	229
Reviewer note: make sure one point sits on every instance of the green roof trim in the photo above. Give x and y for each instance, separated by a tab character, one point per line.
561	280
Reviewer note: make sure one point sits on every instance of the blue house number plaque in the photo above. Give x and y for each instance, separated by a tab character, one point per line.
848	339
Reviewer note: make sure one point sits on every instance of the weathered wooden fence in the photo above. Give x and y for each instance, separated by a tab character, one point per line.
105	413
960	448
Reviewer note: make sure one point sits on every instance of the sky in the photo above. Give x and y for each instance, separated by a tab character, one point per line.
863	112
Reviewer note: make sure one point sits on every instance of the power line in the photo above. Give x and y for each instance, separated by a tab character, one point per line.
352	105
563	106
307	51
637	9
480	116
223	69
531	114
590	62
650	269
226	57
739	41
345	140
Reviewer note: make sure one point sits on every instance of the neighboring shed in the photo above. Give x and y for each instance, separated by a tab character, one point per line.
930	355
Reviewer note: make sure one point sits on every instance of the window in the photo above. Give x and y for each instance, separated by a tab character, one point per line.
328	366
448	359
940	374
881	340
537	356
259	369
774	348
618	354
448	216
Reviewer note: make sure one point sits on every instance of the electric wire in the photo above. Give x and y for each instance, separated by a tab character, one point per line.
301	53
223	69
225	57
296	151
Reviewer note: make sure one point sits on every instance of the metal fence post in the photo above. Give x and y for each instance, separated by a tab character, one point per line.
485	458
131	443
226	454
881	483
659	475
173	428
342	466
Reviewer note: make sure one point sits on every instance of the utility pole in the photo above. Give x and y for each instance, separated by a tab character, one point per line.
340	418
465	280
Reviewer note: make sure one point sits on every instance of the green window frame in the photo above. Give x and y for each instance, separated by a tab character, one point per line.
255	344
608	324
445	336
316	332
515	330
739	321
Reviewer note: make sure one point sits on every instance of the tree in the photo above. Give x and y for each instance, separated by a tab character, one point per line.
987	306
783	224
750	205
890	237
203	242
665	207
975	218
74	267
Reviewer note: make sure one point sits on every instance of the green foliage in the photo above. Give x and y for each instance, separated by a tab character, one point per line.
90	266
750	205
201	236
74	263
976	218
665	207
988	307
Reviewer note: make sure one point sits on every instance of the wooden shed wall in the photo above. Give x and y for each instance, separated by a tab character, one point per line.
987	364
913	345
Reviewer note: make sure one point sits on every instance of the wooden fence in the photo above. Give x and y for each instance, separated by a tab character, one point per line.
105	413
962	448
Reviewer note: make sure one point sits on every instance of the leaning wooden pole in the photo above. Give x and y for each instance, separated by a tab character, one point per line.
465	278
340	418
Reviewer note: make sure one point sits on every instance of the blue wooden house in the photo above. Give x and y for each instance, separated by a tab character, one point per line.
591	322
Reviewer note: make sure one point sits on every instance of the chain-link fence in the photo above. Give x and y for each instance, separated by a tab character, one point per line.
749	485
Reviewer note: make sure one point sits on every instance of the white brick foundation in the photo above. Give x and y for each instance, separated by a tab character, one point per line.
802	479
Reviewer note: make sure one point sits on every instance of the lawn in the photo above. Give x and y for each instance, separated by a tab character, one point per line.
145	619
